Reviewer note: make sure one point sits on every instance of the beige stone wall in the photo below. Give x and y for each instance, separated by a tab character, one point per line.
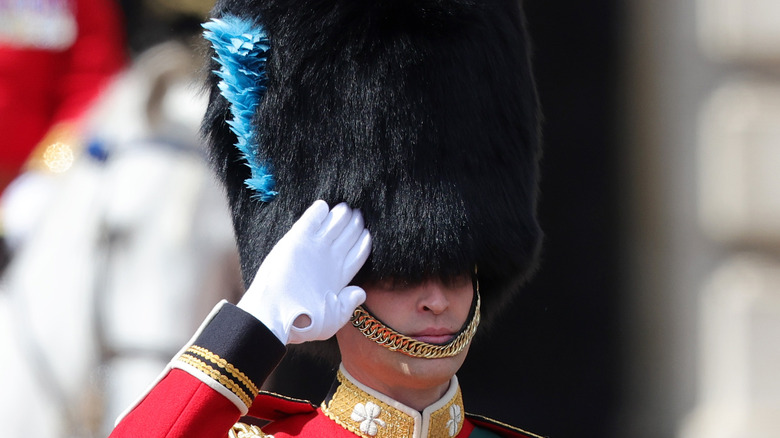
739	208
702	311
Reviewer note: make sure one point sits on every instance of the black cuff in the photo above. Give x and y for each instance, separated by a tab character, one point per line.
236	350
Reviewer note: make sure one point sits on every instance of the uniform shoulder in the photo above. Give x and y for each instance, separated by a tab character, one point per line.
270	406
275	415
499	428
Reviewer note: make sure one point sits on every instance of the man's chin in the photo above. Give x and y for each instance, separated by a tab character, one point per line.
436	369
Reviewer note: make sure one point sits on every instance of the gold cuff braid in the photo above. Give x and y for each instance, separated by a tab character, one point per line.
383	335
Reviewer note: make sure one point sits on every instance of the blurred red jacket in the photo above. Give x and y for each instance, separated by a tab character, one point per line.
55	57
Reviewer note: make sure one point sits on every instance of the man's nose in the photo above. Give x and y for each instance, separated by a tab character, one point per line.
434	298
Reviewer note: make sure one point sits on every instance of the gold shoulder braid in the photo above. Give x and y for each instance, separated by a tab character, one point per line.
385	336
243	430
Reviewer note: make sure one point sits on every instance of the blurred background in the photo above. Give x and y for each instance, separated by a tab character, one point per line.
656	310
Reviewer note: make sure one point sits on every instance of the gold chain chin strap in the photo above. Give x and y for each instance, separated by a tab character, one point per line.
383	335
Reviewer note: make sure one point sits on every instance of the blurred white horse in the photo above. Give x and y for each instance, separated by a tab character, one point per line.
118	260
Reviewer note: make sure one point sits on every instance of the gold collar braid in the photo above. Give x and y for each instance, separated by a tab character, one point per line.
385	336
370	414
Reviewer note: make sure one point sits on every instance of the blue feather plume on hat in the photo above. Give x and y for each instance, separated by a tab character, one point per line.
242	50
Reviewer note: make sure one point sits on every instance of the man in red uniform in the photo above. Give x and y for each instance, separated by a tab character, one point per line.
414	119
397	377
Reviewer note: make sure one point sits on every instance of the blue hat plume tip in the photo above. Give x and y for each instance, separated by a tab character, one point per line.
241	48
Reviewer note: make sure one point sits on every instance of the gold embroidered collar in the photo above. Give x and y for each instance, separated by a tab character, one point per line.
370	414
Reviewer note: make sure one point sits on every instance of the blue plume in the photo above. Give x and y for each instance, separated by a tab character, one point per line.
242	50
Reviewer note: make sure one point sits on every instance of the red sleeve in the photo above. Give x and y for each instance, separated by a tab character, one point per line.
96	56
211	383
179	406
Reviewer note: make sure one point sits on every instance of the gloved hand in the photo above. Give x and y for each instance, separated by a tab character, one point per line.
306	275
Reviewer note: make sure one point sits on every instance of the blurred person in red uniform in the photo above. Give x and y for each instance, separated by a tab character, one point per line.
55	57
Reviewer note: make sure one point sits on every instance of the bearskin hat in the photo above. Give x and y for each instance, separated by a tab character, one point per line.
421	113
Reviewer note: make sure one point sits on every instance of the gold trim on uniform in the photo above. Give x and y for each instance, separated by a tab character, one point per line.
243	430
223	380
504	425
449	418
383	335
227	366
370	417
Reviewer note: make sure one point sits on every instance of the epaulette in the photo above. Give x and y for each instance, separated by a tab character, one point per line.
500	428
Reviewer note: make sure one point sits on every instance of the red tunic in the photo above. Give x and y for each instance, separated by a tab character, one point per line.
191	403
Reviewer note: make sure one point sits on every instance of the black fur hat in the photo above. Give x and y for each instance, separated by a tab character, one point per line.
421	113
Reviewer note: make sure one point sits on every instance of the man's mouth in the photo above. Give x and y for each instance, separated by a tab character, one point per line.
434	336
423	344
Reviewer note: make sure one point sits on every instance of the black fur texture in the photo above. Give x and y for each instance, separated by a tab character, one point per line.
422	113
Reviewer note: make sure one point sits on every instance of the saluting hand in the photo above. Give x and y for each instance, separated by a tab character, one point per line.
300	291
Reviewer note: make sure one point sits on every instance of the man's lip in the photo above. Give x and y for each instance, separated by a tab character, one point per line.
434	335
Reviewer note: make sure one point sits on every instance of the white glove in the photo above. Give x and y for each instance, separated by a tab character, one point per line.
307	273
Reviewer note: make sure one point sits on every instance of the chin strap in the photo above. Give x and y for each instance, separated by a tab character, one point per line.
379	332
